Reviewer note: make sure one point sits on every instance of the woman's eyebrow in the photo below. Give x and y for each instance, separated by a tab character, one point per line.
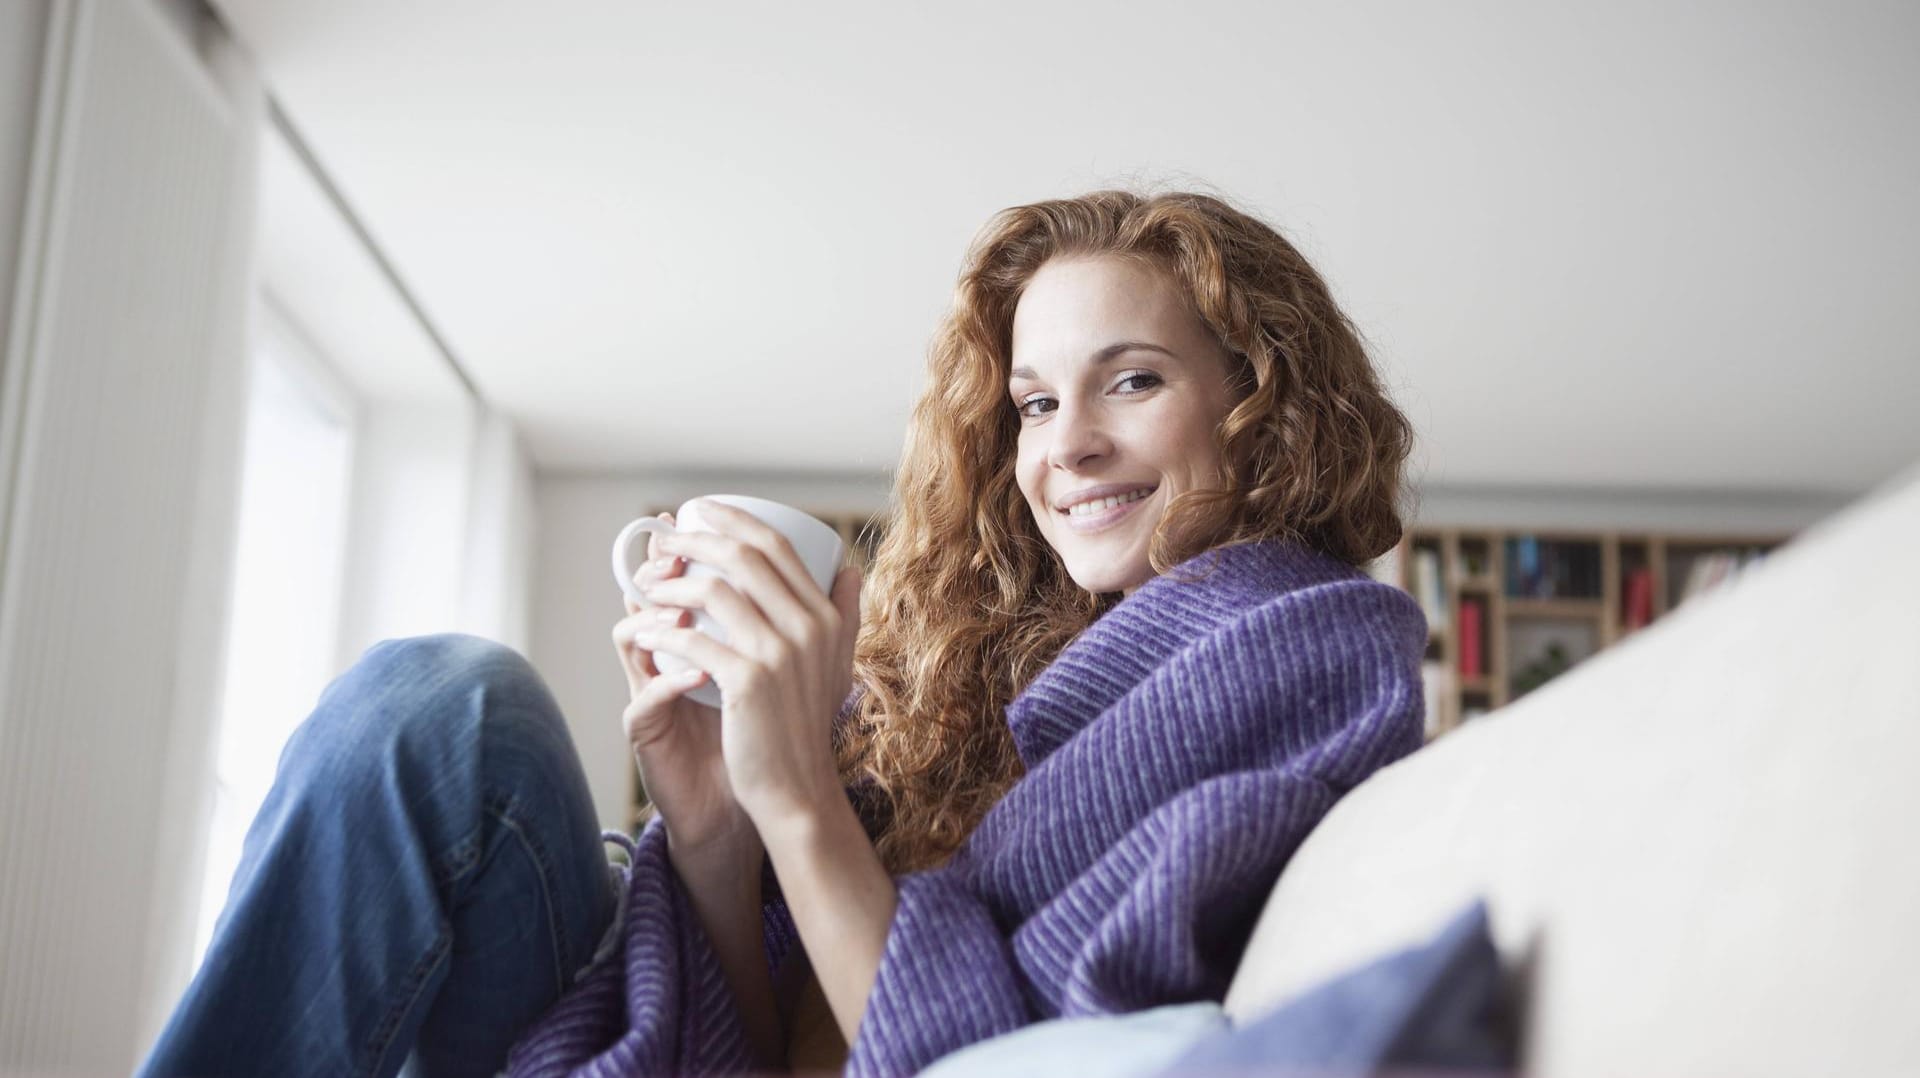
1102	356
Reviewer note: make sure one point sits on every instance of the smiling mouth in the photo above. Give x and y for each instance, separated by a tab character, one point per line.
1100	505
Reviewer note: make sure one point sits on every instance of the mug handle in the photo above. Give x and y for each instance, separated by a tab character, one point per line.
622	571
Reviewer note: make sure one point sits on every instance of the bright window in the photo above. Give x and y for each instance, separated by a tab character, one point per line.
283	634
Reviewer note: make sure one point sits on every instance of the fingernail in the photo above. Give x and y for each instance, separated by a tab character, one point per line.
664	564
670	617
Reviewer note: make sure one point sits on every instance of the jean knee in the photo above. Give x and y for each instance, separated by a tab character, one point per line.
429	694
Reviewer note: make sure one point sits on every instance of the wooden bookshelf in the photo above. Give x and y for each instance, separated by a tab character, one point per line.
1537	588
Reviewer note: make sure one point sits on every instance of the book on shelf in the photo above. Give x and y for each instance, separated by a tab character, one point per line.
1636	607
1719	567
1472	663
1438	683
1427	587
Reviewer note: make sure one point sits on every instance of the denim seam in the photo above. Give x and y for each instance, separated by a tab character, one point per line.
416	979
502	810
447	869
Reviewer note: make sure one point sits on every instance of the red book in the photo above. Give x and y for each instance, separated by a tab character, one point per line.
1639	599
1470	638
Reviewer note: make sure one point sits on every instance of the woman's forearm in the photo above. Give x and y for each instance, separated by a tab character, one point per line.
725	887
842	900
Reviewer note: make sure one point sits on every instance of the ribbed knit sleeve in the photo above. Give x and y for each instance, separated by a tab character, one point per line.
1127	868
947	978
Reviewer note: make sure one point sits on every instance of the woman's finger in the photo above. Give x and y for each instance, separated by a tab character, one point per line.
778	551
750	573
749	631
653	538
637	661
727	666
653	569
663	614
650	704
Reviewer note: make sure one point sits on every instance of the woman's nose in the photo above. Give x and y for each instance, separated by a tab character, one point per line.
1078	437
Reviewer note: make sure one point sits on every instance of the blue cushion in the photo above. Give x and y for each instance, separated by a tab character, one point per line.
1441	1004
1137	1044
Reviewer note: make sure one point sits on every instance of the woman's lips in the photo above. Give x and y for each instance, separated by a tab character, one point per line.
1106	517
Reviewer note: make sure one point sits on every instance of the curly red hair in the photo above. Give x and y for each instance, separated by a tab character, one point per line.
965	602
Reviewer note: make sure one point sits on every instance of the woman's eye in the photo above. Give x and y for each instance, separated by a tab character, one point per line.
1150	381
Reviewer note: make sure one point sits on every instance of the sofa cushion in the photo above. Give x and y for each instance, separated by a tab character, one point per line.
1694	846
1439	1005
1133	1045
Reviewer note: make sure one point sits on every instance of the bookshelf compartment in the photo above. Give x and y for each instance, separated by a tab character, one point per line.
1696	567
1544	648
1476	562
1552	568
1581	591
1475	701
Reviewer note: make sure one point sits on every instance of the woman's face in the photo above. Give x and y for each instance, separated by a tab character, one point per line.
1120	388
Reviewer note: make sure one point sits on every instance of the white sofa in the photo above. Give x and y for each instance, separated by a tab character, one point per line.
1700	849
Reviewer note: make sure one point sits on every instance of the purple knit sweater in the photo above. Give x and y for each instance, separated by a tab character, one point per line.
1177	752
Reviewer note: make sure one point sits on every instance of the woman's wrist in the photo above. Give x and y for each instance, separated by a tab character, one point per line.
736	843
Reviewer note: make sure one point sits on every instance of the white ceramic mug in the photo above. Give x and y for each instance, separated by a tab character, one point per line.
818	545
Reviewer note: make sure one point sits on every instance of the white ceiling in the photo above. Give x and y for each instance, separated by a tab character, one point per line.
321	279
1608	243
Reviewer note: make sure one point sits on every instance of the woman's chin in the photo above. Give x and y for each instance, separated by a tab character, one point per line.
1102	579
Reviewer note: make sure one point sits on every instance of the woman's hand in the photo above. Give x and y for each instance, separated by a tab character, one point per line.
786	667
676	741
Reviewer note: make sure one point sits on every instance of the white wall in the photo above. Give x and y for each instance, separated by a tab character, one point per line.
407	528
442	524
576	602
495	599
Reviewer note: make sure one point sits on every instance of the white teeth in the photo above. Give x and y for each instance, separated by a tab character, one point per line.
1101	505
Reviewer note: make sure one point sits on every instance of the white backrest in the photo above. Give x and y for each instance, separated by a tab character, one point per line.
1697	847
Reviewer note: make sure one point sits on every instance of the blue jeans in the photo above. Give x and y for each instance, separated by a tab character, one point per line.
424	879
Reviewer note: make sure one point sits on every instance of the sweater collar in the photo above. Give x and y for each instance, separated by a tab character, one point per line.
1149	627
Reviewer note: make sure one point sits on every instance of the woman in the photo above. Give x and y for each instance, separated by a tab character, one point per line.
1080	745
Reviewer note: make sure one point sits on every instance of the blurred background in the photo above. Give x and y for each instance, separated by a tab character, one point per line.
327	322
